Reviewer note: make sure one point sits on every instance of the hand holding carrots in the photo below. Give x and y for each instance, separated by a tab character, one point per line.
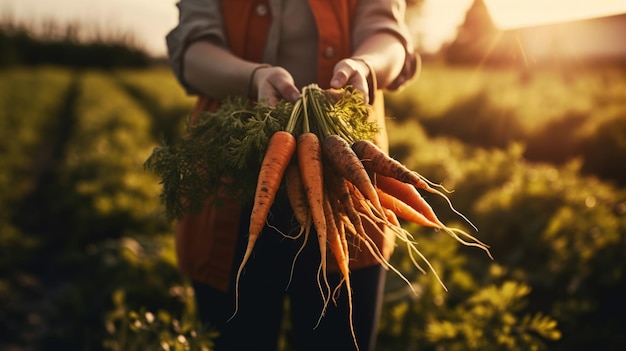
273	84
352	72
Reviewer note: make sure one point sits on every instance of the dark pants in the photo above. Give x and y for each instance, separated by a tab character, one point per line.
264	285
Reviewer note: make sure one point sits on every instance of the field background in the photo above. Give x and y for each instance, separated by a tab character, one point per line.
534	151
536	159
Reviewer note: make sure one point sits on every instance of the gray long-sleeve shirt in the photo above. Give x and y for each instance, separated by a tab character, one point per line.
292	39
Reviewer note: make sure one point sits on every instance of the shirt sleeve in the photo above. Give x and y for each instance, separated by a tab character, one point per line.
198	19
387	16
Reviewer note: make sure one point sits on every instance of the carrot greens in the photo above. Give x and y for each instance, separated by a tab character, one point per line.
222	150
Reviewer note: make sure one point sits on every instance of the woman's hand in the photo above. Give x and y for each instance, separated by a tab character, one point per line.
351	72
272	84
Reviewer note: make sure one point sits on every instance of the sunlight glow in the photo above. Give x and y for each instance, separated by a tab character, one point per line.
438	22
508	14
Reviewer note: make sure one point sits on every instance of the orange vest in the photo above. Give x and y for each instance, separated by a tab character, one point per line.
205	242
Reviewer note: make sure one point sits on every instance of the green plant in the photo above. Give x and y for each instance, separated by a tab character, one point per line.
494	319
139	330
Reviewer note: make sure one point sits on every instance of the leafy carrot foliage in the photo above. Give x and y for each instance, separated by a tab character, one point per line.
221	153
222	150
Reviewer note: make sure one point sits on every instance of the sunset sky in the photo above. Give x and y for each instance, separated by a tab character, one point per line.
150	20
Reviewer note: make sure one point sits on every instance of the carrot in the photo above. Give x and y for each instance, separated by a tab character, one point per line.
361	205
297	195
408	204
396	208
376	160
362	209
280	150
341	227
311	169
298	201
373	248
334	240
390	221
404	236
338	188
341	256
404	211
391	216
408	194
347	163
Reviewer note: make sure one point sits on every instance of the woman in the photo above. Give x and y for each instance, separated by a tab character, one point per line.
268	50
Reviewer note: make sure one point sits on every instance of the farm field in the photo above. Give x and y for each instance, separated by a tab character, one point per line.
536	159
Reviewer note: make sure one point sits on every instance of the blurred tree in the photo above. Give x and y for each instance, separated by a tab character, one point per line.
476	35
21	44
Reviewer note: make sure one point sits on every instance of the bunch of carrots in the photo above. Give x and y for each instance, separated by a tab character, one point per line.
336	179
334	183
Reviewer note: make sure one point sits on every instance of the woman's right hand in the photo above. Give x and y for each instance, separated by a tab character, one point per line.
272	84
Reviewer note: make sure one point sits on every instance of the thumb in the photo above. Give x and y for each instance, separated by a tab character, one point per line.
339	79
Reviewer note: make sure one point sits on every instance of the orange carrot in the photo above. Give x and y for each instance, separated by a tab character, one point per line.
363	210
279	152
341	256
376	160
405	237
392	223
298	201
408	204
334	240
341	226
311	169
296	194
348	214
391	216
339	153
360	203
338	188
406	194
404	211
